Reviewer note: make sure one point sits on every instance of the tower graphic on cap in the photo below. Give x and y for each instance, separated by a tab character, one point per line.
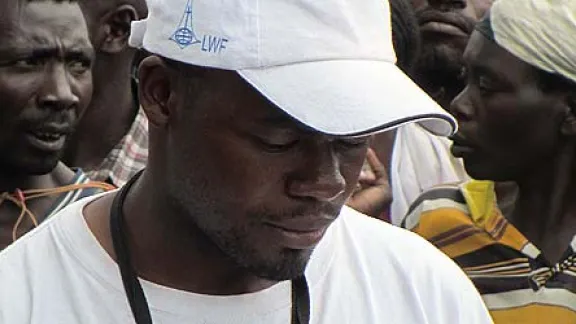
184	35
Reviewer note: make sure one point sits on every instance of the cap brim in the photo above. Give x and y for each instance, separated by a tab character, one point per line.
349	97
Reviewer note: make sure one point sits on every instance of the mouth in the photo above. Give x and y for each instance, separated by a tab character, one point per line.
443	28
451	24
48	138
461	147
300	234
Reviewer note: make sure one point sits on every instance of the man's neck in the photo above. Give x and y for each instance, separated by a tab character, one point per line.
106	121
545	206
169	252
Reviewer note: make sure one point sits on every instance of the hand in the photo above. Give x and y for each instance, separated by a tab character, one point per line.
373	195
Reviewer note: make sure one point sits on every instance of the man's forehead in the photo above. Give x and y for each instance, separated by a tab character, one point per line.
250	106
61	15
273	117
488	57
259	110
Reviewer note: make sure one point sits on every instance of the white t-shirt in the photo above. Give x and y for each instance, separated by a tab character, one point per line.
420	161
363	271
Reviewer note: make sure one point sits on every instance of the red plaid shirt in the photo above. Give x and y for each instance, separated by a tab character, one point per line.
128	157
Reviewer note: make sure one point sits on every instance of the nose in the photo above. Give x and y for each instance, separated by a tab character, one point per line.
448	5
319	177
56	91
461	107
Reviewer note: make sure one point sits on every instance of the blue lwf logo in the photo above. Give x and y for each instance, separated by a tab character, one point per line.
213	44
185	36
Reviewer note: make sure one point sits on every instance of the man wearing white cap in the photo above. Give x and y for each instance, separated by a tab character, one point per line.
517	120
260	114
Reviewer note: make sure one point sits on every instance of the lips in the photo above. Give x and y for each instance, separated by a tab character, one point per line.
299	233
448	23
461	146
49	138
443	28
47	135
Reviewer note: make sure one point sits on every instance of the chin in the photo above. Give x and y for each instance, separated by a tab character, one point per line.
439	65
454	45
443	57
292	266
32	167
284	265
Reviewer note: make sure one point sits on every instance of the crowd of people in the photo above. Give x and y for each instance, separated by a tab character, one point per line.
280	161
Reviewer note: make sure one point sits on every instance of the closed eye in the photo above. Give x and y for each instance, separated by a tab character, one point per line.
354	142
29	62
276	147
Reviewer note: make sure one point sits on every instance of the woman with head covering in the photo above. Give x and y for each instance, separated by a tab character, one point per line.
517	120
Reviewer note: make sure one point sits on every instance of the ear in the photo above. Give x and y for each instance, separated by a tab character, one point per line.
155	88
116	25
569	124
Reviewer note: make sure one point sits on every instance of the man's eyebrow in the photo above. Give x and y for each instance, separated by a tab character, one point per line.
40	41
45	51
79	53
36	51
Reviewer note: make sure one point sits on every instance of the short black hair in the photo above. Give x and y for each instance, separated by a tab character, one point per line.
187	77
405	34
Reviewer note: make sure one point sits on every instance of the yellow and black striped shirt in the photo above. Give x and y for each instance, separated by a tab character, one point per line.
517	283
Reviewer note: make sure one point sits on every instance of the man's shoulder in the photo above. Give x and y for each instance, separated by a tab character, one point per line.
82	187
51	272
378	239
397	256
369	229
28	264
444	206
458	219
49	236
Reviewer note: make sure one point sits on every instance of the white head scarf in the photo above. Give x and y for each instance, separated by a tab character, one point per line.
539	32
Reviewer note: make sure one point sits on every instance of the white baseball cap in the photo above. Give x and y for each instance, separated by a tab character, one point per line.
329	64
